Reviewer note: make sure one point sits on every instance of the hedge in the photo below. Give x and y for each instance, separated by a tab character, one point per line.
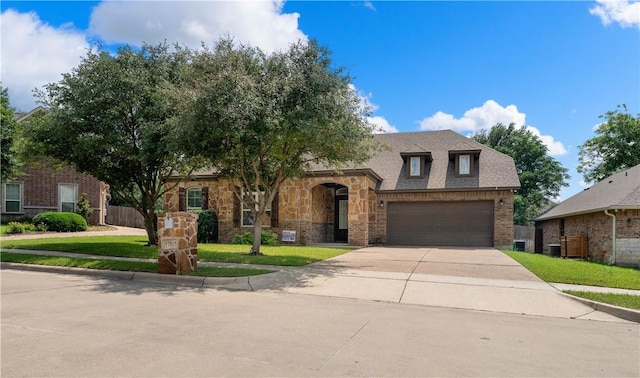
61	222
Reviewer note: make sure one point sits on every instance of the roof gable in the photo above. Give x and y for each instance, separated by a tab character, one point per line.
618	191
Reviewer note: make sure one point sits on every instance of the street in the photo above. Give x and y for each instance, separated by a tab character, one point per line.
66	325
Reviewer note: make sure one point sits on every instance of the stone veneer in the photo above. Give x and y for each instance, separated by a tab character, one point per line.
177	245
306	206
597	226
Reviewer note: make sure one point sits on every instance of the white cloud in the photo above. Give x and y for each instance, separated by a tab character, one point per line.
381	123
35	53
555	147
258	23
369	5
624	12
485	117
475	119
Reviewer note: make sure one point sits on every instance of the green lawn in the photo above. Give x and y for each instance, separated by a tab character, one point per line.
620	300
131	266
133	246
555	269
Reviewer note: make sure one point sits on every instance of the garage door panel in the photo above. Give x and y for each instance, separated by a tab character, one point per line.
462	223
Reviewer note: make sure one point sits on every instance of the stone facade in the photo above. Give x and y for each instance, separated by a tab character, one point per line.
307	206
177	242
598	228
41	192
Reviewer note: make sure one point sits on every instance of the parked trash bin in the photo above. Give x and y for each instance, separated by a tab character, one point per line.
554	250
520	245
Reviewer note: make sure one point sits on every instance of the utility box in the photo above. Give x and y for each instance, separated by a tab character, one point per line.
177	243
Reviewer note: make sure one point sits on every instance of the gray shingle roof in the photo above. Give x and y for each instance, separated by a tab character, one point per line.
493	169
619	191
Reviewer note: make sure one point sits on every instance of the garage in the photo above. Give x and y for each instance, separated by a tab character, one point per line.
460	223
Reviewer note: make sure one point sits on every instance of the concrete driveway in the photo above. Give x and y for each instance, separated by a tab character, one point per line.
481	279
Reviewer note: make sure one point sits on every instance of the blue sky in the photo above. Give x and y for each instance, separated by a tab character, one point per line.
420	65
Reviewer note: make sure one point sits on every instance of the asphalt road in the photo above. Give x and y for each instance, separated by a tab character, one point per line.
81	326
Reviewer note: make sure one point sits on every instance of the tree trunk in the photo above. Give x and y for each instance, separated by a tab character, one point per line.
257	237
149	225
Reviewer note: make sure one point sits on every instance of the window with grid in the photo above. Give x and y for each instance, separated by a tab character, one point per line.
68	197
246	213
12	198
194	199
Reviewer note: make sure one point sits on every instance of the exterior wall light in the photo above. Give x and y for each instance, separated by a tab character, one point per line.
381	203
501	201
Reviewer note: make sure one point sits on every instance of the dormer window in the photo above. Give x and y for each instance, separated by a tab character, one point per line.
415	163
415	166
464	165
464	162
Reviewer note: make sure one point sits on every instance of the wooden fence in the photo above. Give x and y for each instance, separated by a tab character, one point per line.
124	216
526	234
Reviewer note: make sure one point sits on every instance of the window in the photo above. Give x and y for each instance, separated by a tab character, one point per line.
194	199
464	165
246	213
12	198
68	195
414	166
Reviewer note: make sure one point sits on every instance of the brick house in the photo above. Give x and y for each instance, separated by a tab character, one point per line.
424	188
606	212
42	189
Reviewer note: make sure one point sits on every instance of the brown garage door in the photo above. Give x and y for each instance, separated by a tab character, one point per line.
462	223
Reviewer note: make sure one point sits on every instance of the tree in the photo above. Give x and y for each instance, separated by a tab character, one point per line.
259	119
615	147
541	176
8	128
108	117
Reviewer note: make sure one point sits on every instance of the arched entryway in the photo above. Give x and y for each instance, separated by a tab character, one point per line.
330	219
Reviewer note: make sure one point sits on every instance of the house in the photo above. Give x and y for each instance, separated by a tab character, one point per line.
435	188
606	215
42	189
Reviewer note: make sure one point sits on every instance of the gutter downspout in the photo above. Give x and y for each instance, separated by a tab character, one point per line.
613	237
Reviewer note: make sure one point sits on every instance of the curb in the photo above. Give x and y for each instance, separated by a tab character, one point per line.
232	283
619	312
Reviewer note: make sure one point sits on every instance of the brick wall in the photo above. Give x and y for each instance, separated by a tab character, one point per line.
41	193
598	228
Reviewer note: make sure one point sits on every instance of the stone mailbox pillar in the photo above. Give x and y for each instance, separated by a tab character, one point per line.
177	242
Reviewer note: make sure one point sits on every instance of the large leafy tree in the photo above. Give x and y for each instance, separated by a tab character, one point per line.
108	117
541	176
8	163
615	147
260	119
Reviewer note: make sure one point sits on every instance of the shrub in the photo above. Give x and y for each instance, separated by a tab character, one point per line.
207	226
15	228
84	207
61	222
266	238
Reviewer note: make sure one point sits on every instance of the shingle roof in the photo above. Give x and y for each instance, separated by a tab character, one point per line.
619	191
494	169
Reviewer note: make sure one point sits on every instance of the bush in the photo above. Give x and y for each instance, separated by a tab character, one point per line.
15	228
84	207
207	226
61	222
266	238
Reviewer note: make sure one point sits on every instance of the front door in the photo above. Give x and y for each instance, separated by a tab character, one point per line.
342	215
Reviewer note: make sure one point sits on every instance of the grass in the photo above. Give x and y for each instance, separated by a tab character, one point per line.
554	269
620	300
133	246
131	266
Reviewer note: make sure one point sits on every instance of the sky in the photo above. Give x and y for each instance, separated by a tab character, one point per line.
552	66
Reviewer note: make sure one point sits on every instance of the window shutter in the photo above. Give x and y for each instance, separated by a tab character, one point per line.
205	198
237	209
274	210
182	199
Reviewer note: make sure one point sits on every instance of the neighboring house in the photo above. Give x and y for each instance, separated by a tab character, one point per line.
42	189
435	188
607	214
